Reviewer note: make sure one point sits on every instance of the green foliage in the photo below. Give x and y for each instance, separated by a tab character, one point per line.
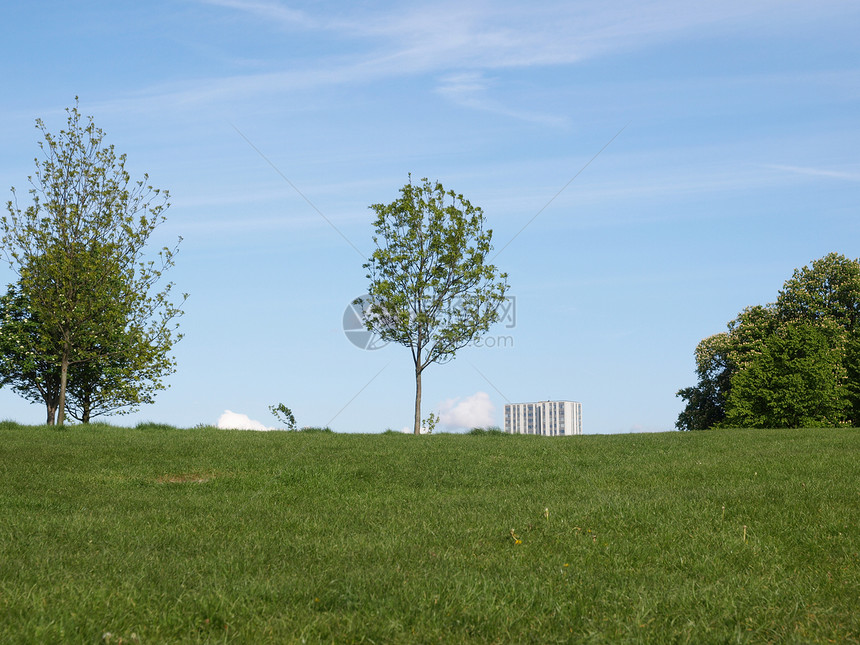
149	425
28	358
284	415
94	320
495	431
829	289
428	425
119	378
793	363
706	401
793	382
432	288
205	536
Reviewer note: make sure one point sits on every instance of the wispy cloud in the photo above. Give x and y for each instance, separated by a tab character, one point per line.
817	172
457	42
510	34
470	89
272	12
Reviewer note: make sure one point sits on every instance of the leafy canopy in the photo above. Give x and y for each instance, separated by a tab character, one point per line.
432	287
793	363
78	249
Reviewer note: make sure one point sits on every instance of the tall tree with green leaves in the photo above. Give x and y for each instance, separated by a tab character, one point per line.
791	363
78	249
127	373
718	359
432	287
792	382
826	293
829	288
28	360
706	401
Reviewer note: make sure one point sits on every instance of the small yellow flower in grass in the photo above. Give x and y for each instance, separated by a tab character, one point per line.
515	537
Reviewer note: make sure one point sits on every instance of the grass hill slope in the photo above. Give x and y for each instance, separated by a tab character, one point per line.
162	535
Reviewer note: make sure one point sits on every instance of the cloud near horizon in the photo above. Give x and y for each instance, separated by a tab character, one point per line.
236	421
476	411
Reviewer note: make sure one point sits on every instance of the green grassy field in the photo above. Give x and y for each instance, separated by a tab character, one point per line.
159	535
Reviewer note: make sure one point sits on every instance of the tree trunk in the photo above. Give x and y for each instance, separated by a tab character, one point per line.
86	408
417	400
49	391
64	373
52	410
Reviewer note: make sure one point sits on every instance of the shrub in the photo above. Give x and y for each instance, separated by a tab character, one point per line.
493	430
149	425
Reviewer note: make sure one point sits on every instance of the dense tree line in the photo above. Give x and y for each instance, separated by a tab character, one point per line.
788	364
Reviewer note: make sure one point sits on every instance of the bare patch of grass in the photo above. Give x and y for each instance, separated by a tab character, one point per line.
185	478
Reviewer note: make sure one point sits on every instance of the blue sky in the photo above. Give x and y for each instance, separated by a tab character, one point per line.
275	125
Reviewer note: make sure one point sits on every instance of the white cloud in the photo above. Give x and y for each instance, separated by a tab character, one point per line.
474	411
235	421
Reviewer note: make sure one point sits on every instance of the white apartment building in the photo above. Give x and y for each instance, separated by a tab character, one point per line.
549	418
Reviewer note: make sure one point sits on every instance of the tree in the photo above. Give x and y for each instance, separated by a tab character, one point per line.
749	332
706	402
127	373
79	252
28	364
792	363
718	359
432	288
828	289
793	382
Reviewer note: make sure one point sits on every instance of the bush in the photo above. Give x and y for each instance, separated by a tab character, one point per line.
149	425
494	430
